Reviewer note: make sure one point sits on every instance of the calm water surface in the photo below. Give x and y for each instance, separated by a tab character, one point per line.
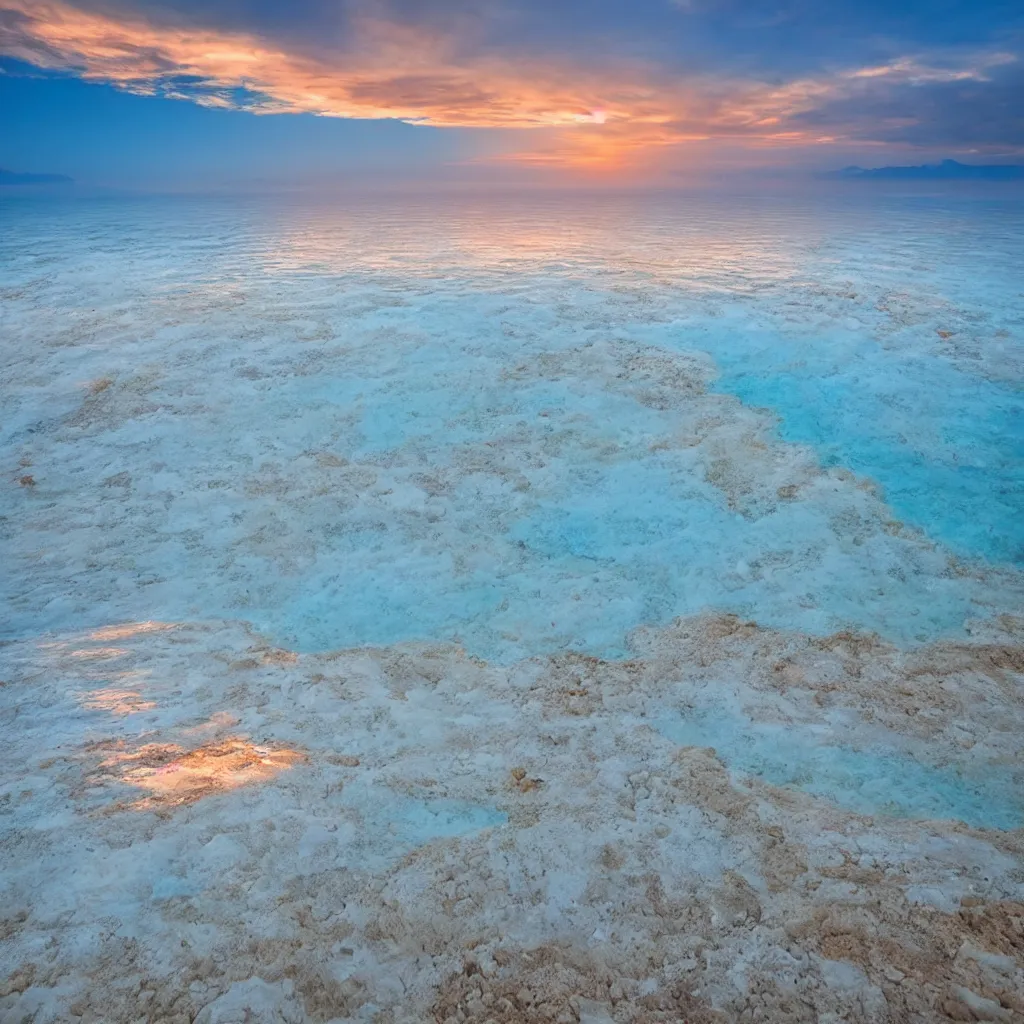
525	423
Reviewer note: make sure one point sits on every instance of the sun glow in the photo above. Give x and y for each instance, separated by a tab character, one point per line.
172	776
624	116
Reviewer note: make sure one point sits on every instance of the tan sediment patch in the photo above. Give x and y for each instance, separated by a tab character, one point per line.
967	691
173	776
279	656
552	983
574	684
687	885
263	657
734	446
997	926
98	653
116	702
190	994
128	630
703	780
102	644
110	401
930	965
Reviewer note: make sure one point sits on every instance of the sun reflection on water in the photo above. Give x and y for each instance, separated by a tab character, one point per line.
172	776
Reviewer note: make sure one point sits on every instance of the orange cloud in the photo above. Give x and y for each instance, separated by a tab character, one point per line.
409	77
624	115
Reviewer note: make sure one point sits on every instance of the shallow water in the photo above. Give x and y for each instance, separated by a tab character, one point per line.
423	339
873	779
526	424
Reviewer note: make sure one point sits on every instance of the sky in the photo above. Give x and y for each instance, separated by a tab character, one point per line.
311	91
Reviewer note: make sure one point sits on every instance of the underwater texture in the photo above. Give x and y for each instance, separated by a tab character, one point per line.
622	592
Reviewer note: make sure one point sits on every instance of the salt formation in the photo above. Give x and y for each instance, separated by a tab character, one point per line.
447	616
412	833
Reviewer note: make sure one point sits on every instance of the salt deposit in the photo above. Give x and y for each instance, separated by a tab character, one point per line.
511	614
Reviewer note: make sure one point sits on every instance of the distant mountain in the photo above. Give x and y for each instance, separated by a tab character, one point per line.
12	178
946	171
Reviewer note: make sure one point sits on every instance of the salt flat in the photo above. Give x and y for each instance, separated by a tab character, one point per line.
593	610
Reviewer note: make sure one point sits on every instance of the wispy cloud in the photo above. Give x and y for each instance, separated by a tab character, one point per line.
915	72
625	112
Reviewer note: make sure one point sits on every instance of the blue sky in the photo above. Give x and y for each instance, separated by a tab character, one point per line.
100	134
323	90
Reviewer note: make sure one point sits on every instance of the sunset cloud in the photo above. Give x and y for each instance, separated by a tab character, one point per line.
626	110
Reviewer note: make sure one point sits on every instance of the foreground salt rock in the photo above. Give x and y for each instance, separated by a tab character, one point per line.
411	833
254	1002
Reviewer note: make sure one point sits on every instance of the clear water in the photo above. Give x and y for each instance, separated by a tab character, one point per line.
874	779
457	341
526	423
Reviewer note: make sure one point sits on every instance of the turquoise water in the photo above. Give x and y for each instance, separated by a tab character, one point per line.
526	424
559	418
921	427
876	779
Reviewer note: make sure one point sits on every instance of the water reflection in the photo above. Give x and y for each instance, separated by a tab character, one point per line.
360	421
625	236
172	776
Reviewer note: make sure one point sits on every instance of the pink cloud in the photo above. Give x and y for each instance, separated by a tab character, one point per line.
623	115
